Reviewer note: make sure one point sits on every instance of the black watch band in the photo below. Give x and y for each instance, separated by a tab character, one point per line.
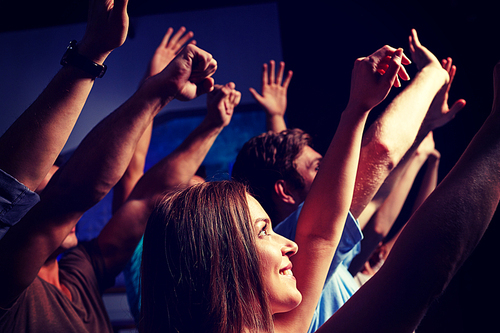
73	58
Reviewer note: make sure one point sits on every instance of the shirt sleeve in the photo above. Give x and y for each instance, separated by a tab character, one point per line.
15	201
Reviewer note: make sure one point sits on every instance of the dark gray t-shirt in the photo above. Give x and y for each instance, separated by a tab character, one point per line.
43	308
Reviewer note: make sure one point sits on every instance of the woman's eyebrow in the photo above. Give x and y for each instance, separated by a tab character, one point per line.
265	219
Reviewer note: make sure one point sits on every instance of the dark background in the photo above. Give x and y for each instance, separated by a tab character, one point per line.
320	42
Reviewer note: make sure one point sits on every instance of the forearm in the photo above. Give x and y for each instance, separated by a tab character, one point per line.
31	145
379	225
134	172
400	188
429	182
275	123
180	166
104	154
396	132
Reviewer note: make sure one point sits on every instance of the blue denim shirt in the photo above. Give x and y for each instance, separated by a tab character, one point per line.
15	201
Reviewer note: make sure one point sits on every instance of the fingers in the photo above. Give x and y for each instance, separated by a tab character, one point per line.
265	80
288	78
205	86
231	96
384	59
221	103
177	41
271	71
226	91
403	74
405	60
203	66
166	37
391	74
235	97
270	77
456	107
281	71
451	69
414	41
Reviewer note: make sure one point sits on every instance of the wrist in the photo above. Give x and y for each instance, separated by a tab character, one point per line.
354	108
89	51
156	99
439	73
213	125
73	57
154	88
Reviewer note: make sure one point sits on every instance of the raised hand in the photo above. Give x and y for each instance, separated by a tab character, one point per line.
274	89
107	29
373	77
439	112
420	55
221	103
188	76
169	47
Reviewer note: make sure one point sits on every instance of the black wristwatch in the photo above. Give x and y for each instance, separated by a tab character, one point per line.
73	58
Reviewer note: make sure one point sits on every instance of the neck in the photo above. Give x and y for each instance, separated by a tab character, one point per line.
50	272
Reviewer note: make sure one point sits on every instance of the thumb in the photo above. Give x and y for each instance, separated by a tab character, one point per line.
255	94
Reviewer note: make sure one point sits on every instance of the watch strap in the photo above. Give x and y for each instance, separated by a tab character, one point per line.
73	58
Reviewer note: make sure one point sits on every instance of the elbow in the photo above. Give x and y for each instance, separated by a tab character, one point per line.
382	153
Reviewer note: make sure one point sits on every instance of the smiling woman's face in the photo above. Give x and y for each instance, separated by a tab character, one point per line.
274	253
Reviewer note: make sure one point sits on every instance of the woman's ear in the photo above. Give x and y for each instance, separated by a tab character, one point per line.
284	192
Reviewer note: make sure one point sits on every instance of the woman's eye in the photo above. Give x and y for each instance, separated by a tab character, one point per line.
263	231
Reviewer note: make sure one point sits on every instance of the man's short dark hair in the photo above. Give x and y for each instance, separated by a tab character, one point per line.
267	158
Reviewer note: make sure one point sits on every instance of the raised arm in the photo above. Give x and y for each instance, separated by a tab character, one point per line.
439	237
94	168
169	47
322	218
30	146
273	99
395	135
120	236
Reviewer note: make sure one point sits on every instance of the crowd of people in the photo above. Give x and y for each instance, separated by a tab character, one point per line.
294	242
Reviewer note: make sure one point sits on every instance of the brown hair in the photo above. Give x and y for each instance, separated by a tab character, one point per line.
200	269
267	158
